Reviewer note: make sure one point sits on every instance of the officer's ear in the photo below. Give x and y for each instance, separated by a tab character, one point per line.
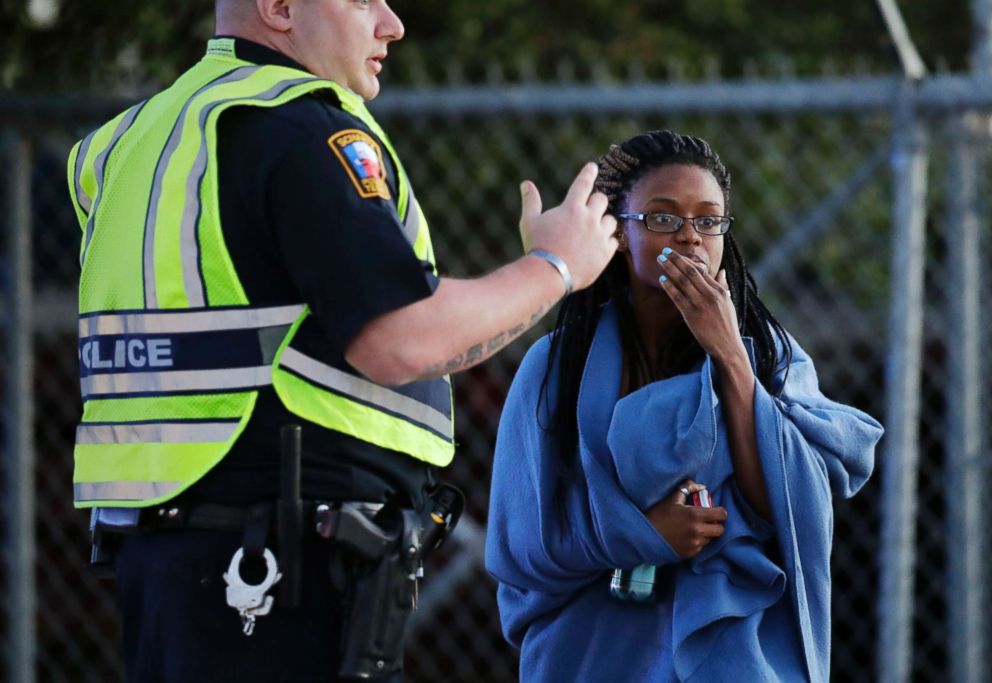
276	14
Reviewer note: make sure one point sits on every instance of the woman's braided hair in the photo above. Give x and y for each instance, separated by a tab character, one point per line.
619	170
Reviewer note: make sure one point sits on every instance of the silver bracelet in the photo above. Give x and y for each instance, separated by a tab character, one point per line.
559	265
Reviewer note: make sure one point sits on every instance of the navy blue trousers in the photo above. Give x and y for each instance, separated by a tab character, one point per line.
178	627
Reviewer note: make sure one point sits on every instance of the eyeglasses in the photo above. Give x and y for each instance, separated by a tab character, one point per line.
666	222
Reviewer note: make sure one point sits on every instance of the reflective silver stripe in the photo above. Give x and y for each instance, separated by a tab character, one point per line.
177	322
190	248
171	144
96	386
367	391
82	198
100	165
124	490
412	224
168	432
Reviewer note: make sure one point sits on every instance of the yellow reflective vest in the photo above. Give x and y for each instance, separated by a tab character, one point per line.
159	296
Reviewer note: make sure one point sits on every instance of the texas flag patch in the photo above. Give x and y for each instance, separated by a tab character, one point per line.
362	159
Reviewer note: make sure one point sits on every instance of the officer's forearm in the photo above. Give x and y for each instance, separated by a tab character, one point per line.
462	324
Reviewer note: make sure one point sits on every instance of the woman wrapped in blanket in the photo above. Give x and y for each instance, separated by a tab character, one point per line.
668	374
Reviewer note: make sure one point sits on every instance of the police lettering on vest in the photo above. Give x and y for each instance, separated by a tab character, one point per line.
125	354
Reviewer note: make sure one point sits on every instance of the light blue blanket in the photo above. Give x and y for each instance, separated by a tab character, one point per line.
753	606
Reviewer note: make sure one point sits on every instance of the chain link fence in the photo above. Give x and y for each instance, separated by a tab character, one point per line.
813	196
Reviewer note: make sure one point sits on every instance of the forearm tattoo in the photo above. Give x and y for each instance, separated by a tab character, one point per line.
477	353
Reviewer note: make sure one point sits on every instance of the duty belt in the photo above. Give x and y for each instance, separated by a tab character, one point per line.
209	516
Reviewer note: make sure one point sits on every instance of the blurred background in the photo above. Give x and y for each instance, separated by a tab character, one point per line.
862	205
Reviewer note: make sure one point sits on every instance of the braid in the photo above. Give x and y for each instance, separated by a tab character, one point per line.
619	170
614	166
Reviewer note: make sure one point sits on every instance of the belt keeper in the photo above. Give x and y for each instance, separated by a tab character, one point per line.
257	523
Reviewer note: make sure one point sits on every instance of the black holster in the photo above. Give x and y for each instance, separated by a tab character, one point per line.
380	592
379	599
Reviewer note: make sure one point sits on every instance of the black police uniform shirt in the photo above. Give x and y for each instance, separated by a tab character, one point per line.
298	230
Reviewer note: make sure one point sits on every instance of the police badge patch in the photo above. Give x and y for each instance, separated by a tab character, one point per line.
361	157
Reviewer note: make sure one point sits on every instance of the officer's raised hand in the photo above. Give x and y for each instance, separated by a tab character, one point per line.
467	320
578	231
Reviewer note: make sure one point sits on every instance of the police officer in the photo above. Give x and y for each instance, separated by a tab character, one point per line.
253	255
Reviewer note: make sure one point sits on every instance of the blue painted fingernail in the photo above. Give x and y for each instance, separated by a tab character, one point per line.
663	278
662	258
666	250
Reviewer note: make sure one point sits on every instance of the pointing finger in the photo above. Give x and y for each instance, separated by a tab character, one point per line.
582	186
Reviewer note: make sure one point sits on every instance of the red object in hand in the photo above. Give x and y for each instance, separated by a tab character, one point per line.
701	499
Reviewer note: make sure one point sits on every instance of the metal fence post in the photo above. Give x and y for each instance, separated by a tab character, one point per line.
966	590
19	449
963	441
901	453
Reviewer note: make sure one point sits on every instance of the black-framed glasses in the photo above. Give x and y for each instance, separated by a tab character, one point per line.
666	222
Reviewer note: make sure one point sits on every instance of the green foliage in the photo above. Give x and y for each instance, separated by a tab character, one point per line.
123	46
729	33
108	46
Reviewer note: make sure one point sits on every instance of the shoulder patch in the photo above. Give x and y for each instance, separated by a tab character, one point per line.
361	157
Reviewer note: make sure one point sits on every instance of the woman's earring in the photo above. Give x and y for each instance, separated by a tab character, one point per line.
621	240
